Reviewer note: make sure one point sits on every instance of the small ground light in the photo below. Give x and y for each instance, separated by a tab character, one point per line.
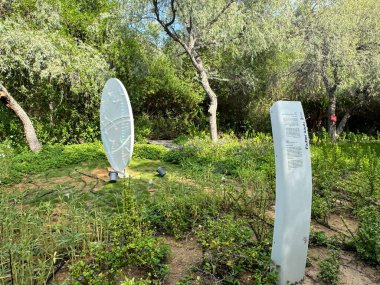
161	171
113	176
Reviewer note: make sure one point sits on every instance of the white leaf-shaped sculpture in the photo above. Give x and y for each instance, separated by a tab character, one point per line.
116	124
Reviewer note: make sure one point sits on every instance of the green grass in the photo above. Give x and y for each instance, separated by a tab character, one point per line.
50	211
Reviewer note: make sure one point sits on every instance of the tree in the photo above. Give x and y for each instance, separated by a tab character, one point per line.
184	22
29	131
338	54
199	26
55	77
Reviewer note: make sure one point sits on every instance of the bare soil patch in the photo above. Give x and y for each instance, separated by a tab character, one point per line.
101	173
185	254
352	270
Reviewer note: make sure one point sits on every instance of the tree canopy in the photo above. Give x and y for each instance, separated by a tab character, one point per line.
184	61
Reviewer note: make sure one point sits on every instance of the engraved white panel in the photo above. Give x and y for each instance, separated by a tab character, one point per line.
293	190
116	124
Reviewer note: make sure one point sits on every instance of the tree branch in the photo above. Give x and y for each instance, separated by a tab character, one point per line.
325	78
167	25
188	24
216	18
330	86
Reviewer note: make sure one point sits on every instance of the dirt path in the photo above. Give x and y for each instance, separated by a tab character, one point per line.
185	254
352	270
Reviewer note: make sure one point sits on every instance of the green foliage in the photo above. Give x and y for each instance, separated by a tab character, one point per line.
54	156
179	209
132	244
132	281
6	154
329	272
34	240
57	78
143	128
319	238
320	208
363	186
149	151
164	102
367	239
349	168
229	156
229	250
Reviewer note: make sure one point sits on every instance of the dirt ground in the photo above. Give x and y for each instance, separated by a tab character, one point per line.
185	254
352	270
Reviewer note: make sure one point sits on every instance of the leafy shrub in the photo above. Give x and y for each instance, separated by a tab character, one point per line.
229	249
363	185
131	244
320	208
329	272
132	281
177	210
173	156
55	156
144	251
229	156
367	239
319	238
149	151
143	128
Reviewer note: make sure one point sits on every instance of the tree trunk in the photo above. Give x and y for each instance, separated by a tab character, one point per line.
196	60
347	115
29	131
331	111
212	107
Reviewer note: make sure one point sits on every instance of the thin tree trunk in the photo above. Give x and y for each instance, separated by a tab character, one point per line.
331	111
331	88
29	131
189	47
213	106
346	116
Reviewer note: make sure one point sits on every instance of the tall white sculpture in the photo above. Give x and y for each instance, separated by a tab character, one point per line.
293	190
116	125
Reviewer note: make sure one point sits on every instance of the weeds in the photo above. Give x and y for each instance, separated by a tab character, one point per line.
329	272
367	240
131	244
229	250
221	192
177	209
42	237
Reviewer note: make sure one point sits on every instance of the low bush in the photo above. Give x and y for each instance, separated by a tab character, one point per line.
177	210
329	272
133	281
149	151
34	240
367	239
230	156
319	238
229	249
54	157
131	245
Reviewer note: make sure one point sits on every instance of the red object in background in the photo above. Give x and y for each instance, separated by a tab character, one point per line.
333	118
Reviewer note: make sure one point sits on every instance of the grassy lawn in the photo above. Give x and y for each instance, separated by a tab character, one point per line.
62	222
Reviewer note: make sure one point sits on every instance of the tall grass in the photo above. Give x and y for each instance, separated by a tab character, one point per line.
35	240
